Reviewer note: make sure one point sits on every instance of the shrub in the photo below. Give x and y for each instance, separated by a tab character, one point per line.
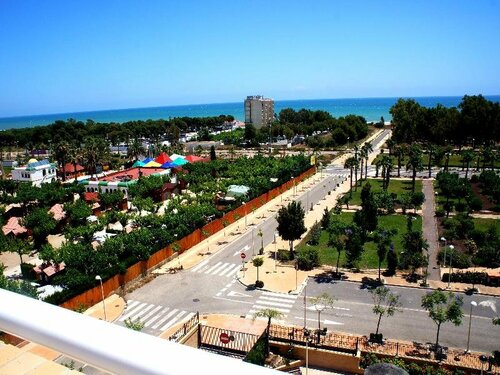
440	212
315	234
27	271
475	204
284	255
467	277
308	258
461	206
474	178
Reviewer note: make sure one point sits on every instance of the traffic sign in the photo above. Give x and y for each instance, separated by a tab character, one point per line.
224	338
243	255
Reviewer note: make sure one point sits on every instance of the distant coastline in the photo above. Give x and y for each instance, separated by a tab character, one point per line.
370	108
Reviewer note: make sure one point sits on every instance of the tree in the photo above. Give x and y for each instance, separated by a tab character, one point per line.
383	240
399	151
385	303
417	200
61	150
41	224
356	165
269	314
213	156
413	244
94	152
257	263
322	302
386	164
443	307
392	261
250	133
414	162
353	245
367	217
77	212
291	223
19	246
135	150
467	157
337	238
350	164
367	147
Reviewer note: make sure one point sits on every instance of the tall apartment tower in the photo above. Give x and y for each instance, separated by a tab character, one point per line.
259	111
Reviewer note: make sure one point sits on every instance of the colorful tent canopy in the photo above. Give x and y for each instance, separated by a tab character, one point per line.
162	158
176	156
138	163
147	160
193	158
152	164
179	161
168	164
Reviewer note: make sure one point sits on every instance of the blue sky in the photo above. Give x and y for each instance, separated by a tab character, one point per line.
65	56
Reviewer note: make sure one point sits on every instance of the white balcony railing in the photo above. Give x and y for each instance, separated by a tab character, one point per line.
109	347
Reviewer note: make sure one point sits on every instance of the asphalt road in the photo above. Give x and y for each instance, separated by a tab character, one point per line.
211	287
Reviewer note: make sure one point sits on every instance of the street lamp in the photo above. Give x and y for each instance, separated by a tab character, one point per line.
450	270
319	308
307	335
444	260
472	304
102	294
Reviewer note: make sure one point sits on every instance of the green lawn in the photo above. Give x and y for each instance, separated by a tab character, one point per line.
483	224
455	162
369	258
395	186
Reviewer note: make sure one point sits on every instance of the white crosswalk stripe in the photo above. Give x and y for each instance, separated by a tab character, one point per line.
156	318
276	301
219	269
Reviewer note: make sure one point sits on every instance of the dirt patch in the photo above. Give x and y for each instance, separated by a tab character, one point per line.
476	189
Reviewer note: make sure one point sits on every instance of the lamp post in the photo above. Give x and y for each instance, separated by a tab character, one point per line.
307	334
275	251
444	260
472	304
102	294
450	270
319	308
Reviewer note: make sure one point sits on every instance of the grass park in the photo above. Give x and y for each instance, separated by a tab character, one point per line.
397	187
369	260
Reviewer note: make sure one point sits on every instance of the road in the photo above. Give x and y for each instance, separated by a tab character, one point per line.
212	287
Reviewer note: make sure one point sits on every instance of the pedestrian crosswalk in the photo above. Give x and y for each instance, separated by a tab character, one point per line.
282	303
219	269
156	318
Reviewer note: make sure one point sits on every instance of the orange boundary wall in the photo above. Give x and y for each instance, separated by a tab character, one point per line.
111	285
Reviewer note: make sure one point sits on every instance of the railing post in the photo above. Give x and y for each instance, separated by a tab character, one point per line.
397	349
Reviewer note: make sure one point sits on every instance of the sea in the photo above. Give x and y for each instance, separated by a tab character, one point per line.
372	109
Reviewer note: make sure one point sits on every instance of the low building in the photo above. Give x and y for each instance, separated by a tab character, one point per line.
121	180
36	172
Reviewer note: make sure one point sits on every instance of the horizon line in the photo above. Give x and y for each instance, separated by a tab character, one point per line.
218	103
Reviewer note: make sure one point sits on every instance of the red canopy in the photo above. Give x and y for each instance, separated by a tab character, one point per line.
163	158
13	226
193	158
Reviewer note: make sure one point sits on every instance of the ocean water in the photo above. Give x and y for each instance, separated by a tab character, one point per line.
370	108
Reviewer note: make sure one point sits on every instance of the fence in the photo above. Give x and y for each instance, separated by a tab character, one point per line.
227	340
141	268
351	344
186	327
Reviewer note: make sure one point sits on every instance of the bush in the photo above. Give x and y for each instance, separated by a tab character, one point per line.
461	206
467	277
314	234
27	271
308	258
474	178
475	204
284	255
458	259
440	212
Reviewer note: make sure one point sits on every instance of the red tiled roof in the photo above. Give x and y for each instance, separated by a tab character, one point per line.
91	196
131	173
70	168
13	226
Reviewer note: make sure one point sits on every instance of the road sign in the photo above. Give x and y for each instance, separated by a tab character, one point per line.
243	255
224	338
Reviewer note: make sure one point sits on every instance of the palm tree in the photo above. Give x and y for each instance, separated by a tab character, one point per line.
368	148
390	144
74	157
269	314
431	150
257	262
356	165
383	240
349	163
135	150
361	159
61	150
414	162
95	151
467	157
386	163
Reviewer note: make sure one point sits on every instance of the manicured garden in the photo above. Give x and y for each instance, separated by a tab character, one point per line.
398	187
369	259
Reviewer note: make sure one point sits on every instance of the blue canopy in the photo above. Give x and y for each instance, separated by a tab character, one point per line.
179	161
168	164
147	160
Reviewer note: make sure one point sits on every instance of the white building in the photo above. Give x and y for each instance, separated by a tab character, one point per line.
259	111
36	172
